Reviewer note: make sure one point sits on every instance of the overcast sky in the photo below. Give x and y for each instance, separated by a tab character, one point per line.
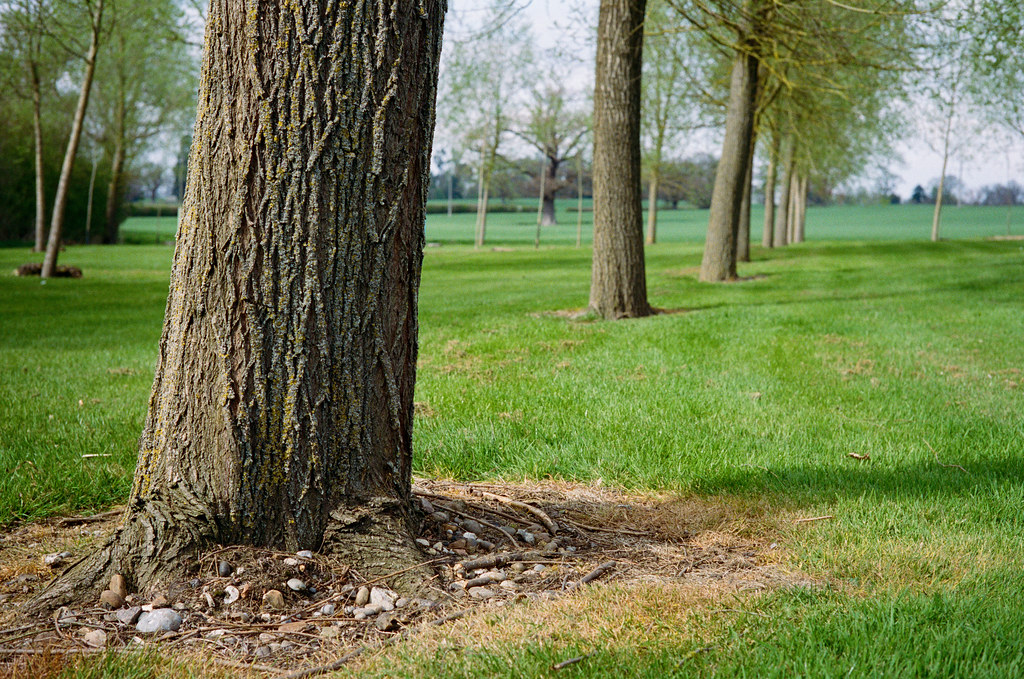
920	164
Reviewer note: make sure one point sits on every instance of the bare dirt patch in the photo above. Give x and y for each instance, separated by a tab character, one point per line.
491	548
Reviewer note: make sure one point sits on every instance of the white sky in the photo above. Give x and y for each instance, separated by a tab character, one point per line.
920	164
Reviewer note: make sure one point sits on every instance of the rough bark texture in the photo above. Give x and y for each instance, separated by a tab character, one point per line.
281	413
719	262
60	201
767	238
618	284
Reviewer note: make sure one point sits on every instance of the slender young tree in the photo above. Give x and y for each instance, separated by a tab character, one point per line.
94	10
618	284
281	413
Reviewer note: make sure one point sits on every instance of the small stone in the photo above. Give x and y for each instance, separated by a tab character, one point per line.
292	627
328	609
224	569
291	562
485	545
304	554
525	536
481	593
473	526
540	568
438	546
296	585
362	596
118	584
273	599
210	603
509	585
519	567
469	535
274	648
383	597
159	601
402	603
160	620
53	560
458	544
423	543
440	517
231	594
360	615
111	599
263	652
128	616
215	634
95	639
386	622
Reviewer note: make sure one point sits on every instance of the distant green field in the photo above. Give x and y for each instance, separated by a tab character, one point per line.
881	222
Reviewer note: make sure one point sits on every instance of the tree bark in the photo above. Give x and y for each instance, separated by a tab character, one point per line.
37	138
618	285
767	238
781	238
719	262
60	201
937	213
281	413
112	221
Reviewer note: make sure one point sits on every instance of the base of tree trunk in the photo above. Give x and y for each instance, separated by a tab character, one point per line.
36	269
157	550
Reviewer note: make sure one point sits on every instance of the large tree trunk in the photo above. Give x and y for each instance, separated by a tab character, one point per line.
112	219
37	138
719	262
767	238
281	413
60	201
618	284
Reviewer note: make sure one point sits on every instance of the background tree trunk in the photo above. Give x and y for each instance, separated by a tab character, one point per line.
549	185
37	137
112	220
801	210
618	285
767	238
743	230
719	262
652	208
60	201
281	414
782	223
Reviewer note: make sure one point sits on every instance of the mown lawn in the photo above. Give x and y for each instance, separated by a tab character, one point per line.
758	391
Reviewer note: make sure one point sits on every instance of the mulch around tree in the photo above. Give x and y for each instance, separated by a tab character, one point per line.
489	546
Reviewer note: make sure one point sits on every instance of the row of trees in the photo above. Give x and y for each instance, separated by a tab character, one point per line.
109	76
281	414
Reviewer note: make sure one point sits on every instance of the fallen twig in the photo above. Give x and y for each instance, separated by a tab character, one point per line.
814	518
947	466
858	456
508	538
572	661
544	518
594	574
102	516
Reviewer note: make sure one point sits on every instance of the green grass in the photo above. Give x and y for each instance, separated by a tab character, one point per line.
908	351
881	222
